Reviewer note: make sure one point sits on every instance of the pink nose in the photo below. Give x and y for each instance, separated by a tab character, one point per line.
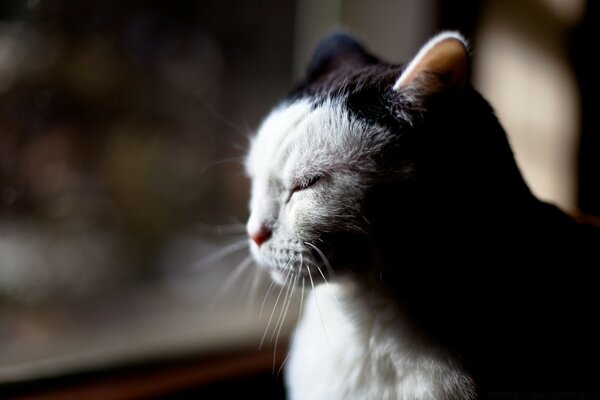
260	236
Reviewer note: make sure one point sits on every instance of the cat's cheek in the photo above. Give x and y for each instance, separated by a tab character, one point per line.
298	211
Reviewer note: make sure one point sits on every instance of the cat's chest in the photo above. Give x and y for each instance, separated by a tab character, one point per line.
329	353
364	353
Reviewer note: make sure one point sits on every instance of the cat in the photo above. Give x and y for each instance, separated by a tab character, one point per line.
392	191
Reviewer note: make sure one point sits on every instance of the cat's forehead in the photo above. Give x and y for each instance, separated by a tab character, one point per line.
321	113
278	127
296	136
345	81
307	136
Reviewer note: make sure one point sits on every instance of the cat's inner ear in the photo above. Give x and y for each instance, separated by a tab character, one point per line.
441	65
338	50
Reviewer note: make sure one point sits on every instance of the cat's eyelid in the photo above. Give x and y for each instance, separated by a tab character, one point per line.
313	179
303	184
306	183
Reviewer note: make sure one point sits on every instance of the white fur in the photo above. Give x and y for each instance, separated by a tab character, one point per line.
262	164
294	143
365	349
408	72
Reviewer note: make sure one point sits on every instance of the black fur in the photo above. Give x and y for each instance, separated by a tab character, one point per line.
505	281
339	50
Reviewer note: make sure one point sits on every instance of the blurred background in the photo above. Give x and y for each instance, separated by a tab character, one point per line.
123	269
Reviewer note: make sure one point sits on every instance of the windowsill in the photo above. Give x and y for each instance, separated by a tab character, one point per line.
197	376
145	328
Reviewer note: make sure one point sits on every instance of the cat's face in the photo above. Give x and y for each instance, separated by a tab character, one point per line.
314	161
310	166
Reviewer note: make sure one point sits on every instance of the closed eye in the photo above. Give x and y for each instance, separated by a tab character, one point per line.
303	185
308	183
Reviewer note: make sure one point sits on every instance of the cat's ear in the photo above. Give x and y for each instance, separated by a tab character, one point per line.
337	50
440	66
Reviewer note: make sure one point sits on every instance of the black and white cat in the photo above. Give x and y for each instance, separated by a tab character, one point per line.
393	191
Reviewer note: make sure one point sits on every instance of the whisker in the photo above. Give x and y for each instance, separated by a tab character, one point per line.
282	320
231	279
221	254
269	290
253	291
225	229
328	285
274	308
232	160
285	301
283	363
325	260
319	309
209	107
301	299
265	299
247	135
297	323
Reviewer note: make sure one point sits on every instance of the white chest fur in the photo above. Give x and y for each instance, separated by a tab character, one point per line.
354	345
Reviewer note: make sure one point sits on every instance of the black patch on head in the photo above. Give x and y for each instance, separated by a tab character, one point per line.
341	69
370	97
366	91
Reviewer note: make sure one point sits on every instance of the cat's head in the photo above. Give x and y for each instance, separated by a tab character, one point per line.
328	161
